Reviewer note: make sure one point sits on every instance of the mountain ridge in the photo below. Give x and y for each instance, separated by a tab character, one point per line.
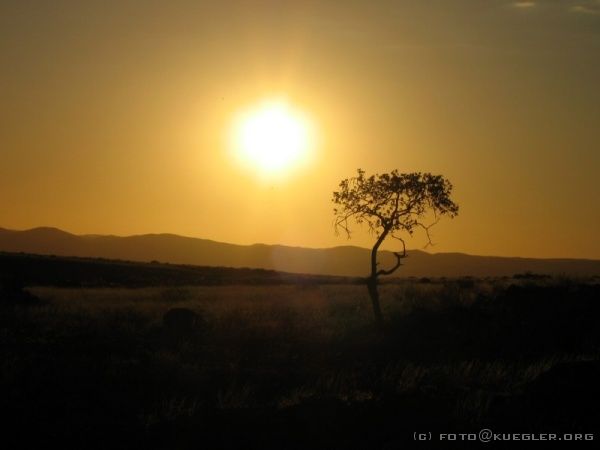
347	260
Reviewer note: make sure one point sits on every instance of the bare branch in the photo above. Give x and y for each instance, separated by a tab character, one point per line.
393	269
399	256
426	228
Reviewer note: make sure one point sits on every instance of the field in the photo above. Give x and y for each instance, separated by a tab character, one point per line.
298	365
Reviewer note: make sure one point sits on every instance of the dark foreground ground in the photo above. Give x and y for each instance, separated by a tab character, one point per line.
294	365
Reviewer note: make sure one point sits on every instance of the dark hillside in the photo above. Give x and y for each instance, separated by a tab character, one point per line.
42	270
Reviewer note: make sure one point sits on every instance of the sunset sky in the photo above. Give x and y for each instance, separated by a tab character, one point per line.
117	117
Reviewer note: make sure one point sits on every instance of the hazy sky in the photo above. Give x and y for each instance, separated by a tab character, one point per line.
114	116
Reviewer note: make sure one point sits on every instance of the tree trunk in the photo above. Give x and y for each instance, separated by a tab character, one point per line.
372	280
374	294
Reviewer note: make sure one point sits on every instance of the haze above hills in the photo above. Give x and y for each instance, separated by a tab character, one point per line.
343	260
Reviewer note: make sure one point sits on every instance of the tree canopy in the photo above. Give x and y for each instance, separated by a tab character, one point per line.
392	202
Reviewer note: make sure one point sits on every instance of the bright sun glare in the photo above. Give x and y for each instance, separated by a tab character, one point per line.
273	137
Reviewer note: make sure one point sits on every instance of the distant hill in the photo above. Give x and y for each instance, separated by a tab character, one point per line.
70	271
339	261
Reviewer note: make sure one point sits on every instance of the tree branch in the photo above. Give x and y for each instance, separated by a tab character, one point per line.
426	228
399	256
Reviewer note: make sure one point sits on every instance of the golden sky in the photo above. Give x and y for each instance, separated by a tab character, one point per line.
115	116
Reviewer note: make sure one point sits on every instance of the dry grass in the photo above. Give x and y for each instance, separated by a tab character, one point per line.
276	348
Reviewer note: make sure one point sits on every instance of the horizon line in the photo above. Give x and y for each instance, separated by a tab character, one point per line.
286	245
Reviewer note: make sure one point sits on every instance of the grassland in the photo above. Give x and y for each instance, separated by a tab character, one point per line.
299	365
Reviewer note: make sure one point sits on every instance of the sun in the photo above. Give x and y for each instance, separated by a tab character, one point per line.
273	137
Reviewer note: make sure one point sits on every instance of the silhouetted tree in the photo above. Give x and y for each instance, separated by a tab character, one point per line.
390	204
